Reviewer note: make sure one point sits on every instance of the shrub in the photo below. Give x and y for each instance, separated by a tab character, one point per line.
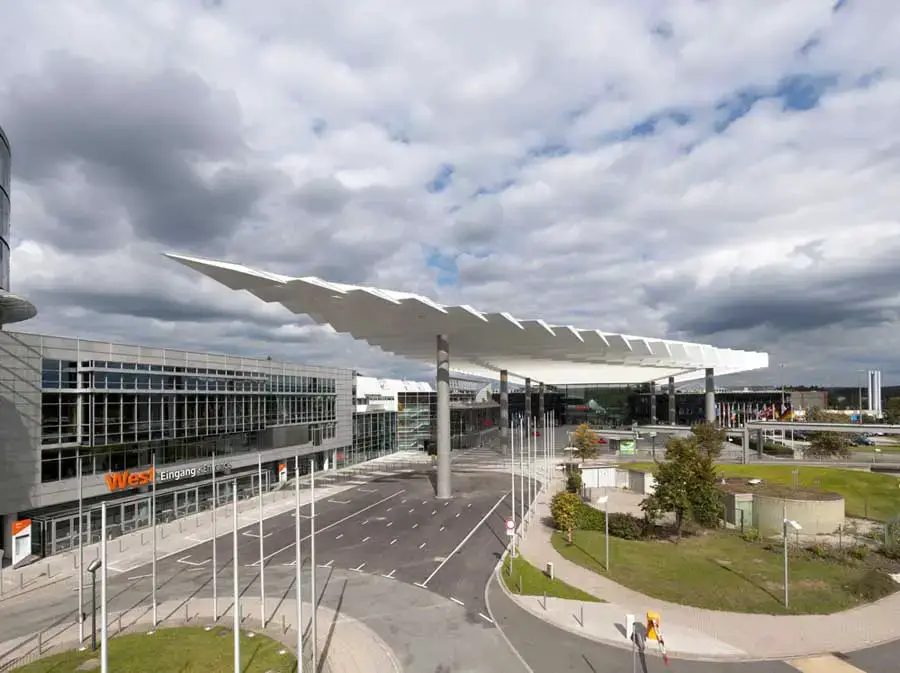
625	526
589	518
872	585
751	535
563	509
859	552
573	482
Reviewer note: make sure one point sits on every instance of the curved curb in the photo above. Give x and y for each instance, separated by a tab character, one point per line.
487	605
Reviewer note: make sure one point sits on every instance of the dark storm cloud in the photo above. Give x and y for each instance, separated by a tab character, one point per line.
164	308
802	300
137	142
322	196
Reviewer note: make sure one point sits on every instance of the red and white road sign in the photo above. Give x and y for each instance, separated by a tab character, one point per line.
510	525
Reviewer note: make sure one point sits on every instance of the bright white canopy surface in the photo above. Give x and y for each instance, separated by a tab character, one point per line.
481	344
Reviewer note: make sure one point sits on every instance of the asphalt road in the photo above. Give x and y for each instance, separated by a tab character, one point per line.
382	549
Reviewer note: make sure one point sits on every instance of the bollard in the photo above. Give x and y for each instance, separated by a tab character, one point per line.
545	600
520	584
120	622
120	545
283	624
40	642
48	570
582	615
179	525
187	617
142	538
21	581
74	562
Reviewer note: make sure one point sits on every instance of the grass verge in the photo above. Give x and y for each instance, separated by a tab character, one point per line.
536	583
186	650
866	494
719	570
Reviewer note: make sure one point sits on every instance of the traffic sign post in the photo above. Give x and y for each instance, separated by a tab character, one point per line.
510	526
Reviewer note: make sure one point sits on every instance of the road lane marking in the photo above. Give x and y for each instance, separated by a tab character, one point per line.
457	601
366	538
184	560
390	575
328	565
394	541
412	510
340	502
339	536
368	490
403	502
424	502
466	538
457	516
433	512
415	525
250	533
420	585
826	663
360	567
365	522
446	503
336	523
485	618
389	509
469	505
137	577
442	528
292	564
390	523
421	546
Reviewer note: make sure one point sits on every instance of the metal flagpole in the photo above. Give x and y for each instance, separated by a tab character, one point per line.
522	470
80	557
104	635
512	478
236	608
215	568
262	553
153	524
298	563
313	596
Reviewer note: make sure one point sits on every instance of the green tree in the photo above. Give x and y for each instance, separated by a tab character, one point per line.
892	410
816	415
709	438
563	508
685	485
828	445
584	439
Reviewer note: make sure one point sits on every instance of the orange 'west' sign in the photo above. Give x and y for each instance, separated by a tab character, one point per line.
19	526
116	481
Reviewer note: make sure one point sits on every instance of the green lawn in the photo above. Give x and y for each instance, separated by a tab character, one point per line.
536	583
185	650
866	494
719	571
885	448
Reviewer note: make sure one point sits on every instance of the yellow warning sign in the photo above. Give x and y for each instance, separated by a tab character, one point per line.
653	623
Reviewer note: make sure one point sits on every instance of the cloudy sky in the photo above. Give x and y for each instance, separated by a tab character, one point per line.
726	171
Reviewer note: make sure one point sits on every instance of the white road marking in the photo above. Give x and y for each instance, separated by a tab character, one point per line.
336	523
140	577
251	533
403	502
328	565
412	510
433	512
194	538
485	618
457	515
421	546
469	505
365	522
292	564
360	567
368	490
420	585
457	601
389	509
446	503
184	560
366	538
340	502
390	523
424	502
466	538
339	536
390	575
442	528
415	525
394	541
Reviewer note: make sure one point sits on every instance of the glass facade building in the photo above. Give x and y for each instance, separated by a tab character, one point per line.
470	421
107	412
374	435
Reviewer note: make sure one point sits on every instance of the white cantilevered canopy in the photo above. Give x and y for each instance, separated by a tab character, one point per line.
482	344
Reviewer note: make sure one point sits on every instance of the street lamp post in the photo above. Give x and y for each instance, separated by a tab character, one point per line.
604	500
92	569
793	525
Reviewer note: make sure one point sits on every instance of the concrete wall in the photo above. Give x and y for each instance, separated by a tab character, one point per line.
735	504
598	477
818	517
641	482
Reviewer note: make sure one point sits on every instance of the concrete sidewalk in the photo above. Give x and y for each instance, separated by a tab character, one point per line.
694	632
346	645
134	549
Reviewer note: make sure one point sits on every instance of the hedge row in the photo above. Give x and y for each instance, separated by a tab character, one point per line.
625	526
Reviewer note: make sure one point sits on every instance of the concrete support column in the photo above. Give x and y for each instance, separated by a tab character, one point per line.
527	400
759	443
709	414
443	417
653	418
540	416
504	409
673	417
745	446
